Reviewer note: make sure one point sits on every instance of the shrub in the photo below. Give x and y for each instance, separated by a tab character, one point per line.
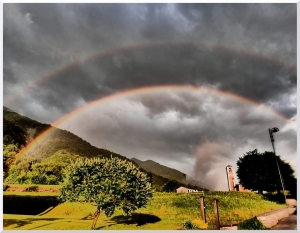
251	224
38	179
52	180
189	225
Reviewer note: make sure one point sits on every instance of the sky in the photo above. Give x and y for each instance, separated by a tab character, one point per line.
191	86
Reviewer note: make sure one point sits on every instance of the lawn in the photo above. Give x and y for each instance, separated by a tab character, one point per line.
167	211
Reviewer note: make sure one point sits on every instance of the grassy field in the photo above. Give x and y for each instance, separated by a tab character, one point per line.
167	211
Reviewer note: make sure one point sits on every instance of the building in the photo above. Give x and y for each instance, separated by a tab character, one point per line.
185	190
230	177
240	188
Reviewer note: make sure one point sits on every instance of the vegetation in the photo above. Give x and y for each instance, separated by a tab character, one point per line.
171	186
258	171
13	140
167	211
251	224
110	183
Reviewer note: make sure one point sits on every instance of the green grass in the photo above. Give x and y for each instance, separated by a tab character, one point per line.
167	211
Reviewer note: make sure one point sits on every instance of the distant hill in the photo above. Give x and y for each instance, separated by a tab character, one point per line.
161	170
58	146
169	173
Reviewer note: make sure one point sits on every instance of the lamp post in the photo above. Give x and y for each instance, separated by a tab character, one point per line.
271	131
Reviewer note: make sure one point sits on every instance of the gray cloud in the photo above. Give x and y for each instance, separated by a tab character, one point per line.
248	50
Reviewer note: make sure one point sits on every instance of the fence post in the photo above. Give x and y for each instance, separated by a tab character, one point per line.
215	202
202	205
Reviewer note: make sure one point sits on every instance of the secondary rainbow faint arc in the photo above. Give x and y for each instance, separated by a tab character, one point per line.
139	46
140	91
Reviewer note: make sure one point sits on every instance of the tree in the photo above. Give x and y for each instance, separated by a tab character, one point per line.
110	183
170	186
258	171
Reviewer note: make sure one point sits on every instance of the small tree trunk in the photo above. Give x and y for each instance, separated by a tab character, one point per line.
96	216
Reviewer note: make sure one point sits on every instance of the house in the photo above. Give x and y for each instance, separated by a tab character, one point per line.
185	190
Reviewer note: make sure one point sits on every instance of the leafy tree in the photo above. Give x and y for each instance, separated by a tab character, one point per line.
170	186
258	171
110	183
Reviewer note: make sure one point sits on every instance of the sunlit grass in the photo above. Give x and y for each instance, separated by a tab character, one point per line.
167	211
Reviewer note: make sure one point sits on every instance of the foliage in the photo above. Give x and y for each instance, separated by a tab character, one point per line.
12	134
258	171
110	183
194	224
188	225
170	186
5	187
251	224
13	140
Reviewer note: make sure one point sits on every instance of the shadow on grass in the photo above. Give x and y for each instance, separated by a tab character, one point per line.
279	199
136	218
23	222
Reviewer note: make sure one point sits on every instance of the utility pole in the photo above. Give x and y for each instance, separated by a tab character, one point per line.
271	131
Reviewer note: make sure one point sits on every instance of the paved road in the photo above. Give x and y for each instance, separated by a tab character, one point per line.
288	223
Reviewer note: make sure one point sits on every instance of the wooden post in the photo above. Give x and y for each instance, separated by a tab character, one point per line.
215	202
202	205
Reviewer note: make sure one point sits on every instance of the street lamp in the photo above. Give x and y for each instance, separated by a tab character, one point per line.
271	131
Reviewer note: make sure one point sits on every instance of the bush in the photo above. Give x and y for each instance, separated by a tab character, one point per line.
39	179
52	180
189	225
251	224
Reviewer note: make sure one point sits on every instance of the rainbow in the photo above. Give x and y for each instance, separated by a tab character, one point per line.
140	91
113	51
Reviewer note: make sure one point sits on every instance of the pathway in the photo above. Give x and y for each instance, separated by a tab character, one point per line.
288	223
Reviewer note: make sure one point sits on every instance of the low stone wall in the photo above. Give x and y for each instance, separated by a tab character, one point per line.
271	218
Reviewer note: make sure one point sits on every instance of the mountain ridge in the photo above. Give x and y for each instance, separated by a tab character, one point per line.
59	144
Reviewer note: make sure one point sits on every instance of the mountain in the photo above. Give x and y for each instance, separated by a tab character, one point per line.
53	152
167	172
161	170
56	140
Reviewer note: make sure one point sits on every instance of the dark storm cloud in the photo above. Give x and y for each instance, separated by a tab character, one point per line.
245	49
42	36
216	132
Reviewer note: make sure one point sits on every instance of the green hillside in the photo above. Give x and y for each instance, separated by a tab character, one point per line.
44	163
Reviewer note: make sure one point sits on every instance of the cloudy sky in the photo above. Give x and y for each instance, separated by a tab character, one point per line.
218	76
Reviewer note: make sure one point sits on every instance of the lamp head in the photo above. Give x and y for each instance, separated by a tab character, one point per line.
274	130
